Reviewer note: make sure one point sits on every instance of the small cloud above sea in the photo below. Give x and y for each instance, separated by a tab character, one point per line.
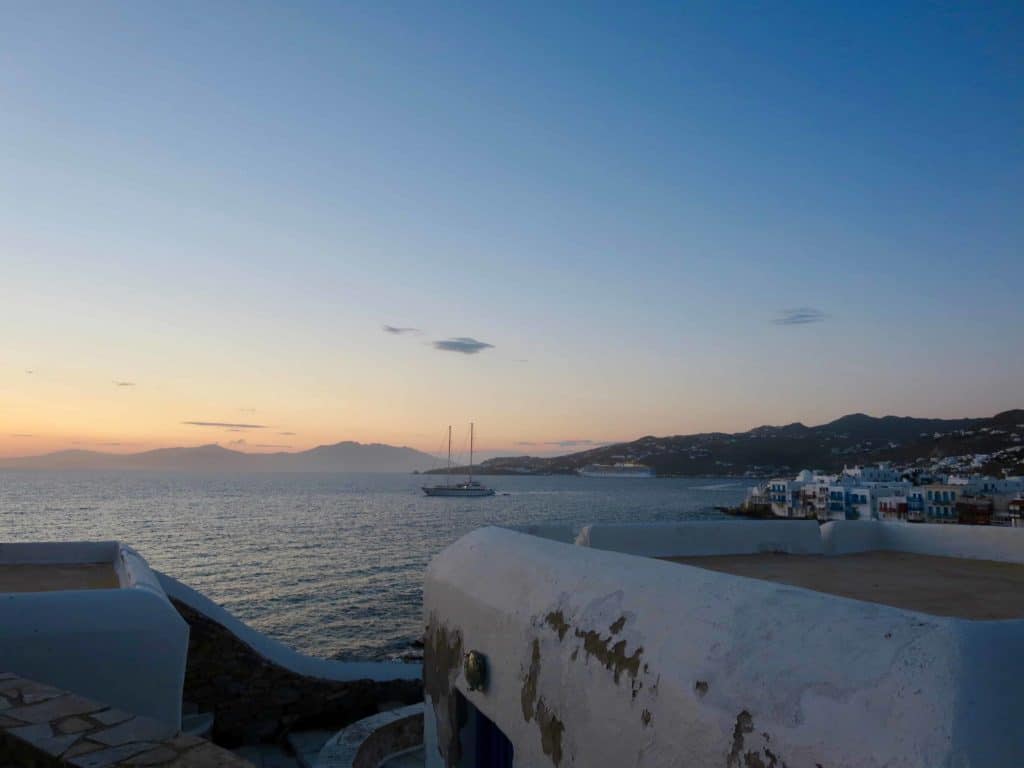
465	345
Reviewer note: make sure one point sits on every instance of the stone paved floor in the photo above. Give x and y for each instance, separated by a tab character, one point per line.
40	724
414	759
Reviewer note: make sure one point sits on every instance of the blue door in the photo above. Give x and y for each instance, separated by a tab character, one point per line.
493	749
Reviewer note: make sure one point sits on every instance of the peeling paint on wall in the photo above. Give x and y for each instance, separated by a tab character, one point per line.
613	657
550	725
742	757
744	725
529	692
551	730
556	620
442	656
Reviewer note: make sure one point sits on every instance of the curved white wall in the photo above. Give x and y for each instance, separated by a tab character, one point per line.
704	537
281	654
712	667
125	647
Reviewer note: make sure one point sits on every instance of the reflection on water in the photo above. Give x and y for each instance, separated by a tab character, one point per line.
331	564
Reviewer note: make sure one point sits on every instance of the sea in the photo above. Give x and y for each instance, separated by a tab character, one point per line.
331	564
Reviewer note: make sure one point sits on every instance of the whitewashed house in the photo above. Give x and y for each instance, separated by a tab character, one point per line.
724	644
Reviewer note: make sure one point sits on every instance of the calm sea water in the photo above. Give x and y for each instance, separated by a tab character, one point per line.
331	564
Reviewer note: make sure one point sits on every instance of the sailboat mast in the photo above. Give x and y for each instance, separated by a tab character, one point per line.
448	471
471	451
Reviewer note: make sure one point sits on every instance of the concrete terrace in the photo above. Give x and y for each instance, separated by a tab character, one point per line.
57	577
940	586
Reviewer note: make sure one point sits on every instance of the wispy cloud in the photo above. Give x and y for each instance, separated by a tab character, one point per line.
799	316
247	410
462	344
286	434
21	434
224	424
29	371
399	330
124	383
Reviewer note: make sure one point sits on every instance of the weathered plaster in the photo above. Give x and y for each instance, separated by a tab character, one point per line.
443	663
727	671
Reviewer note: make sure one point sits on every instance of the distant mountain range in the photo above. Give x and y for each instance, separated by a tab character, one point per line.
763	451
767	450
340	457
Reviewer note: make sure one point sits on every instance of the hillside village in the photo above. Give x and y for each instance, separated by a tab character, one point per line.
885	492
988	446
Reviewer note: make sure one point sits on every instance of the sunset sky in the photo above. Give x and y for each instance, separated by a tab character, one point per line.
282	225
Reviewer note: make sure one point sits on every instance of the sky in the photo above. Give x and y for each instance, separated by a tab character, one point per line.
274	226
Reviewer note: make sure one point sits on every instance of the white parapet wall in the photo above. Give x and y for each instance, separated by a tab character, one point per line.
279	653
980	542
598	658
704	537
125	646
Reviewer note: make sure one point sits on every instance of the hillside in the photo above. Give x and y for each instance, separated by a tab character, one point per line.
340	457
770	450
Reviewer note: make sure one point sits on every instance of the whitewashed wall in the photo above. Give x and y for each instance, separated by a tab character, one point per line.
58	553
704	537
969	541
598	658
281	654
126	647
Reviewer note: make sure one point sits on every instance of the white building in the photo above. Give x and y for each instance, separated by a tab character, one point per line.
881	473
541	653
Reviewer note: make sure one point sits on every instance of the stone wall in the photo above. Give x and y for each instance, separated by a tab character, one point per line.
255	700
45	727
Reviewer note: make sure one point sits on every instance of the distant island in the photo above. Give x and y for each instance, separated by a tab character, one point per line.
993	445
341	457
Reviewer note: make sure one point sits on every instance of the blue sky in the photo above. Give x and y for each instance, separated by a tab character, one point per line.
224	205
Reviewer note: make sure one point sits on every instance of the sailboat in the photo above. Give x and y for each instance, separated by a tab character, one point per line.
470	488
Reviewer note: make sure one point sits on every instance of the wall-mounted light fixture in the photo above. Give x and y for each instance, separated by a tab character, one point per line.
475	669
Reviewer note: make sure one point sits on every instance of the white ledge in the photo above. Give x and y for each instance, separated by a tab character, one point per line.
281	654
